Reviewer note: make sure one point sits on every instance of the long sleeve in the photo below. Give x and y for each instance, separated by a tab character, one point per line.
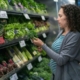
68	52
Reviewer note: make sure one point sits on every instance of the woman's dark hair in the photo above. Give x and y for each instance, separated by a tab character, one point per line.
72	13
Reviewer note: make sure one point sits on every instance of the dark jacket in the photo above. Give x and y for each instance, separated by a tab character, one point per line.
67	60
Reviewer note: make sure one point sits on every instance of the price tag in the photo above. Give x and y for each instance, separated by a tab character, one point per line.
39	58
34	52
43	18
3	14
55	0
26	16
14	77
44	35
22	43
29	66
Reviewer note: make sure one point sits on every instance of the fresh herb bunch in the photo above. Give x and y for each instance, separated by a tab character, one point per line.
32	34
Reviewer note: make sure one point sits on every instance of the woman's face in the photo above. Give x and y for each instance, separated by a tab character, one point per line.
62	20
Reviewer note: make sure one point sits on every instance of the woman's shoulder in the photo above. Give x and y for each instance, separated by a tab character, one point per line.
73	36
76	34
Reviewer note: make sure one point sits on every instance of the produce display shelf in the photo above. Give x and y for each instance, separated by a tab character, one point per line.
38	15
14	12
11	43
9	12
16	41
5	77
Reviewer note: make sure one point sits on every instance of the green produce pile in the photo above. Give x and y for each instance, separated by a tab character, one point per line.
30	29
19	55
14	30
5	5
17	30
42	70
19	5
41	26
30	5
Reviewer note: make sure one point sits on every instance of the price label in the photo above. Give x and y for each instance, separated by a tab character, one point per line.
29	66
26	16
55	0
39	58
3	14
34	52
22	43
14	77
44	35
43	18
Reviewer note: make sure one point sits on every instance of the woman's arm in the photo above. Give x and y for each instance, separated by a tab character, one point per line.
68	52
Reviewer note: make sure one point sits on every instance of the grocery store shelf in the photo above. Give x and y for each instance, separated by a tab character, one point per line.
14	12
16	41
5	77
21	13
11	43
38	15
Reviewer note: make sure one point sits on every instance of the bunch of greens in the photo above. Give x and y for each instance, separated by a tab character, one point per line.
33	6
32	34
9	32
30	25
3	4
14	30
42	69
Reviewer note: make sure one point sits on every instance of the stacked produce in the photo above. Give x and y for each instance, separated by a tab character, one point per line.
4	4
41	26
41	71
23	5
20	30
6	65
29	5
20	57
14	58
16	30
27	53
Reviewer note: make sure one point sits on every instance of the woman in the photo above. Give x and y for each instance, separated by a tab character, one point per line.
66	47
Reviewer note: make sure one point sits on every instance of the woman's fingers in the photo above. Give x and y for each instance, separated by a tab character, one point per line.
37	42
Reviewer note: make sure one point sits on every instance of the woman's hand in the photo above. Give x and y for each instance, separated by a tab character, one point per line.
38	42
